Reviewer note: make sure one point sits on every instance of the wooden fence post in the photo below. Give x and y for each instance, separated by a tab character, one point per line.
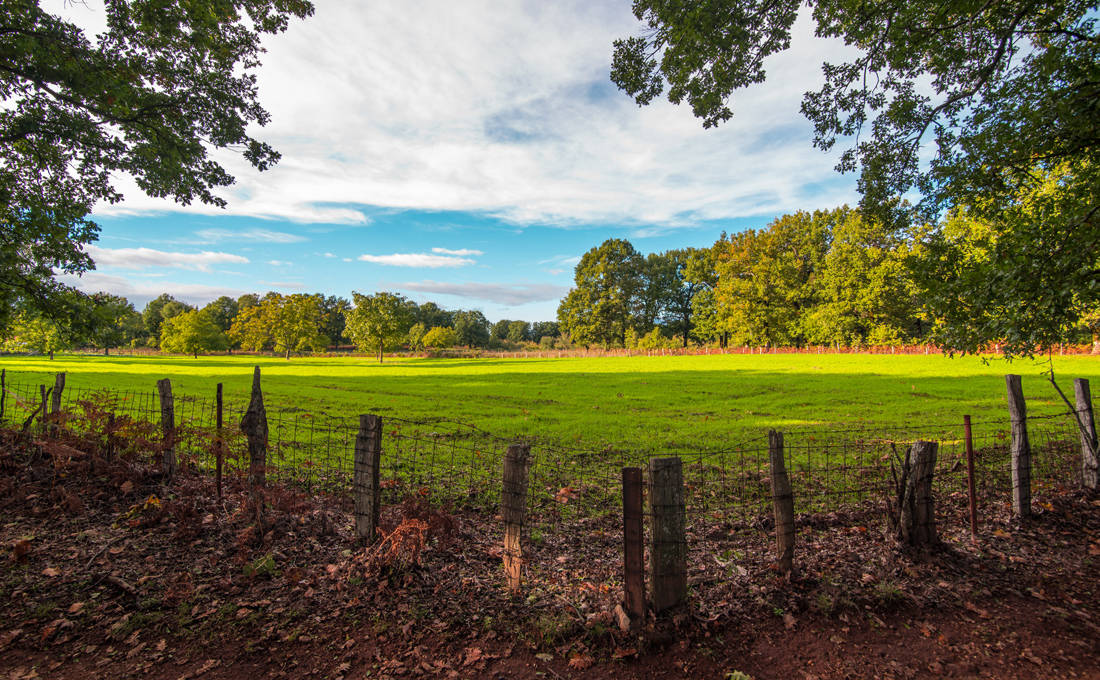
219	445
55	402
783	503
3	391
633	547
917	512
168	426
1090	457
368	454
1021	449
43	393
668	549
513	503
971	492
254	426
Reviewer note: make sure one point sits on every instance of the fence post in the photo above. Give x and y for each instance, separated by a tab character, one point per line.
1021	450
219	445
1090	457
254	426
42	394
918	517
668	551
368	453
3	391
783	503
970	490
633	548
55	402
168	425
513	503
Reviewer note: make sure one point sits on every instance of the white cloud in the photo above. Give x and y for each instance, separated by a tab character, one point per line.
417	260
459	252
261	235
506	109
279	263
140	292
140	258
501	293
329	255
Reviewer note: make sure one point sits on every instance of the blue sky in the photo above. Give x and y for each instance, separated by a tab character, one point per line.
466	153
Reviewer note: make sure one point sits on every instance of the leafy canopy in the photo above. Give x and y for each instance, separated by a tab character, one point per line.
167	81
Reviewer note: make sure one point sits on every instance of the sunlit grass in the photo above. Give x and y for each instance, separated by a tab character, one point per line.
630	402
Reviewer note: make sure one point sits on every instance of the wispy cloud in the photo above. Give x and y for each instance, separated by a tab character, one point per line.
417	260
279	263
462	252
463	115
140	258
140	292
500	293
261	235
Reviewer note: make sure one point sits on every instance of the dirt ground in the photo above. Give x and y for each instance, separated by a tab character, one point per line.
106	572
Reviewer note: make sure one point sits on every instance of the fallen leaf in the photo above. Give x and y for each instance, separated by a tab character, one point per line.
789	621
76	607
50	571
581	662
473	655
19	550
623	652
126	487
545	657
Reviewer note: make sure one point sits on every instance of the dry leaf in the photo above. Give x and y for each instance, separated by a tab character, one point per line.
19	550
126	487
473	655
789	621
581	662
50	571
624	652
76	607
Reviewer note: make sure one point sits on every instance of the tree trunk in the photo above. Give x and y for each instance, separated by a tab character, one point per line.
379	351
288	354
51	355
106	351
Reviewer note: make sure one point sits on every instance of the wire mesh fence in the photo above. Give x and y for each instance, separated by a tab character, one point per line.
448	462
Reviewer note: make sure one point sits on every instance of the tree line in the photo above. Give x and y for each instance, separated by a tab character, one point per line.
831	277
274	322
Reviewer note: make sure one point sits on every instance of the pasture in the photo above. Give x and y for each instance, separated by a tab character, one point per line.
652	403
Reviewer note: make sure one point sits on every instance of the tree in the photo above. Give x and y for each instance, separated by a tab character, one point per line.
164	83
431	315
378	321
334	312
681	289
284	323
603	303
114	323
30	332
500	329
1005	92
221	311
544	329
519	331
251	329
192	332
472	328
440	337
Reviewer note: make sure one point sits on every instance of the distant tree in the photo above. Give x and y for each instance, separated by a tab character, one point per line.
158	309
500	329
334	311
544	329
378	321
221	311
472	328
247	300
440	337
415	336
192	332
519	331
679	287
296	322
251	329
431	315
608	284
32	332
114	322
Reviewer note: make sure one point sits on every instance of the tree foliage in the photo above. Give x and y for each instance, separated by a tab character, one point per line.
148	98
974	106
192	332
608	287
379	321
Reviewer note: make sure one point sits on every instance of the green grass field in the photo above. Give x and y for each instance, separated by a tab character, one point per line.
651	403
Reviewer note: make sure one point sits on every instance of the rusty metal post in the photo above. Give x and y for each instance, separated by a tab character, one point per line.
970	479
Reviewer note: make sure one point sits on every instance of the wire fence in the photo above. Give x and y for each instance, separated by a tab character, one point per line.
455	463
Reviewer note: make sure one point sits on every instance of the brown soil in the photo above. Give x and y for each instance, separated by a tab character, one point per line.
106	572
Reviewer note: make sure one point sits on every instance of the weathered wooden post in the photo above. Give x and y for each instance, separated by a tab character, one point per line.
1021	449
219	445
3	391
1090	456
368	455
633	547
783	503
43	393
917	526
254	426
668	549
55	402
168	426
513	503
